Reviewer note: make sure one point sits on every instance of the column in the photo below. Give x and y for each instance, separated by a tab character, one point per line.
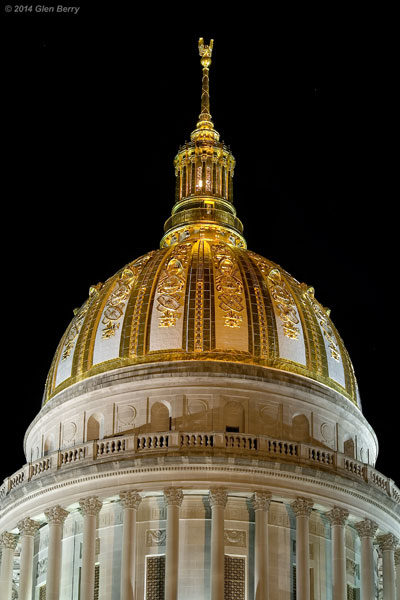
173	498
387	544
27	529
366	530
218	498
397	564
55	517
8	543
90	508
261	503
302	507
130	501
337	517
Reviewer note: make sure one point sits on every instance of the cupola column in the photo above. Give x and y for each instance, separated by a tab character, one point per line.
366	530
8	543
130	500
173	498
218	498
27	529
302	507
337	517
387	544
261	503
55	516
90	508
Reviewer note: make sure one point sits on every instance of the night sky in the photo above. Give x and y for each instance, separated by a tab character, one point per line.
96	106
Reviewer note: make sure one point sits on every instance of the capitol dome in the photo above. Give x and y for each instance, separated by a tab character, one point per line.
201	433
203	296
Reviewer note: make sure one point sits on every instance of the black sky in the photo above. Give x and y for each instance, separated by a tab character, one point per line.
96	105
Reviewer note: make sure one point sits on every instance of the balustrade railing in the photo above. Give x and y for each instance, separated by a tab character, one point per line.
174	441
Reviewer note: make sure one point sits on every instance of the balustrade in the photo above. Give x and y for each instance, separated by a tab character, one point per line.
261	446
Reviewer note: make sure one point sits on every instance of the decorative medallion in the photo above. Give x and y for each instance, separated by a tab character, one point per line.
234	537
171	286
69	431
228	284
156	537
114	308
126	414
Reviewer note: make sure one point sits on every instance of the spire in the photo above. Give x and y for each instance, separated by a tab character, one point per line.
205	116
204	179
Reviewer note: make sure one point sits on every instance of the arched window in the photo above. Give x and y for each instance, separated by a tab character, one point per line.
49	444
300	429
234	417
159	417
94	428
349	448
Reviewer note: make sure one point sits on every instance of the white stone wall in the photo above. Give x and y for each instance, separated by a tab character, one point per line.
289	409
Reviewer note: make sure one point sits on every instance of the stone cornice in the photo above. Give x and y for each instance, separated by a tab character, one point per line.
261	500
28	526
8	540
130	499
56	515
338	516
173	496
387	542
218	497
90	506
302	507
366	528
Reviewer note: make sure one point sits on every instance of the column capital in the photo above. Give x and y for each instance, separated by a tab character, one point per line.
130	499
8	540
218	497
261	500
56	515
366	528
337	516
302	507
173	496
387	542
28	527
90	506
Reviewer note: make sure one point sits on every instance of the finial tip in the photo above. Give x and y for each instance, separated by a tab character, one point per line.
205	52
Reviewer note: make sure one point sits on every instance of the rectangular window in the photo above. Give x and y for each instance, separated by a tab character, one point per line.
96	582
235	577
42	592
155	577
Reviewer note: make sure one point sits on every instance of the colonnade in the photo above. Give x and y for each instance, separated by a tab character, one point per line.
130	500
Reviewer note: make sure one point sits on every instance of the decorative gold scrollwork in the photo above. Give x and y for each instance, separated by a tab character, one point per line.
284	303
281	296
227	282
77	322
322	315
171	286
115	304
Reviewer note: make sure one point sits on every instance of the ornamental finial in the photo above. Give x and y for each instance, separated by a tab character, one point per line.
205	116
205	52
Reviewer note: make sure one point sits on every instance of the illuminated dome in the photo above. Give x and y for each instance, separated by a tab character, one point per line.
203	296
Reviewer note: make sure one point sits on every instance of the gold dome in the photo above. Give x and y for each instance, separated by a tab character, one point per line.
203	295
